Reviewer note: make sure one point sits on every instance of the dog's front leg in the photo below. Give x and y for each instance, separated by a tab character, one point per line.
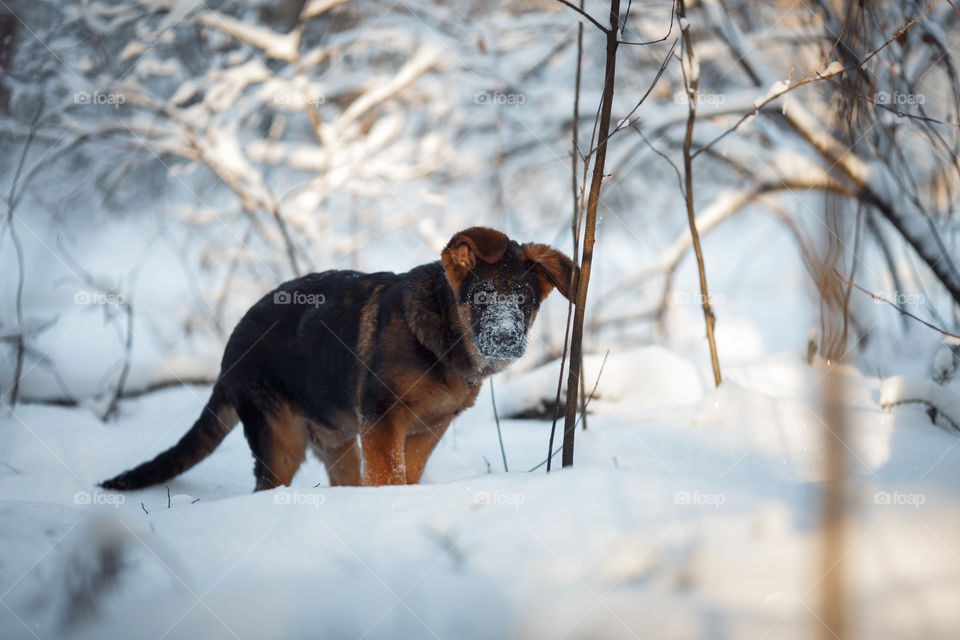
383	445
419	446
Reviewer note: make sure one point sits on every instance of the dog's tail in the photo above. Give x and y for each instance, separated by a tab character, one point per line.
213	425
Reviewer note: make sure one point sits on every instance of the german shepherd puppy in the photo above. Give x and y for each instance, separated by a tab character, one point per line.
368	369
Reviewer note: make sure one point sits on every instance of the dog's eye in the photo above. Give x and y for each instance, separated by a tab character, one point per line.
525	293
483	293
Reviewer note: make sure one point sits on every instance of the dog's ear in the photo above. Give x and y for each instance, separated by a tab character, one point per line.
468	246
553	269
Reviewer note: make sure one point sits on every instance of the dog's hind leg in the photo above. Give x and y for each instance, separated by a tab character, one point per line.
278	441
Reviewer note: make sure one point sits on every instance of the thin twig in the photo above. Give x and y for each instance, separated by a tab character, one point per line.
692	80
11	467
496	417
575	134
596	383
159	385
811	77
575	226
937	411
587	16
626	121
853	272
274	208
673	9
125	370
897	307
556	406
574	222
127	306
11	207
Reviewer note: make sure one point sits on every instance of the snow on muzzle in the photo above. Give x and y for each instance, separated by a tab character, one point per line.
503	332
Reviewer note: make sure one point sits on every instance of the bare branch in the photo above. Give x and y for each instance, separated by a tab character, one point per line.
673	10
15	239
899	308
496	417
691	75
583	282
551	452
586	15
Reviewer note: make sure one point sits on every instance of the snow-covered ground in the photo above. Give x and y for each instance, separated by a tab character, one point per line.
691	513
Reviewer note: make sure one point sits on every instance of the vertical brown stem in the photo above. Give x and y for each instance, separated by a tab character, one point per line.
692	83
18	248
833	611
574	222
589	234
832	615
576	146
833	594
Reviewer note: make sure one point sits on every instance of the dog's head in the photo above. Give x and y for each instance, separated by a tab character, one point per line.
499	285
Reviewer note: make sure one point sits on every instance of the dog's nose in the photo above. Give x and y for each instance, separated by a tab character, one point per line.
498	343
502	332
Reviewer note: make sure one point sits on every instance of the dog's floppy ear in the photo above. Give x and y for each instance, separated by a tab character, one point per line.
553	269
465	248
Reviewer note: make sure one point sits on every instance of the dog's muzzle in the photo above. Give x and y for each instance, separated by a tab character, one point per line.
503	333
